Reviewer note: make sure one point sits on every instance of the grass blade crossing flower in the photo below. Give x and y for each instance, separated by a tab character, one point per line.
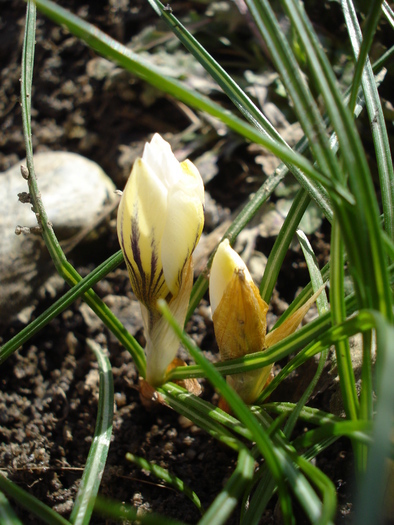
160	220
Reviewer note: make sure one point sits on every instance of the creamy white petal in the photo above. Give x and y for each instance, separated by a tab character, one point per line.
193	179
183	227
160	158
225	262
141	218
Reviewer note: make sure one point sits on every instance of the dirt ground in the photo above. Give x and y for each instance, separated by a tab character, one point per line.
49	388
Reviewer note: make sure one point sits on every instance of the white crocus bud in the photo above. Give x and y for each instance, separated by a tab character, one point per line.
160	220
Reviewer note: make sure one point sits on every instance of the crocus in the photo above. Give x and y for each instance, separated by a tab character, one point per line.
160	220
239	317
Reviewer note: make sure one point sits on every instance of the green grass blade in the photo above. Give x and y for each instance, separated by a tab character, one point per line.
61	304
304	104
355	430
374	107
322	306
382	60
361	322
388	12
31	503
98	452
370	498
282	243
367	262
304	295
240	99
164	475
361	45
7	515
302	475
325	487
338	314
224	504
317	280
308	414
27	73
213	418
111	321
44	223
277	253
261	496
201	413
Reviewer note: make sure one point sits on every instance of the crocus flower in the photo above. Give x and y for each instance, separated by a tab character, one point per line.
239	317
160	220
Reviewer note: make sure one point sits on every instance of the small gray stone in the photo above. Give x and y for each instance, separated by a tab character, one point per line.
75	192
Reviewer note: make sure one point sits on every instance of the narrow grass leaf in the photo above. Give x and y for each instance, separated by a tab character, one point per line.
369	507
292	77
166	476
188	405
7	514
322	306
224	504
237	95
388	12
31	503
361	44
282	243
262	493
97	457
204	410
338	314
317	280
355	430
61	304
367	261
374	107
361	322
307	414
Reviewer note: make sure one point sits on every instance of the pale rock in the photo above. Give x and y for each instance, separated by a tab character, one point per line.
75	192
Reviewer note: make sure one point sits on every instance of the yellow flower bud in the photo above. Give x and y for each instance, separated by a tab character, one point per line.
238	311
239	318
160	220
